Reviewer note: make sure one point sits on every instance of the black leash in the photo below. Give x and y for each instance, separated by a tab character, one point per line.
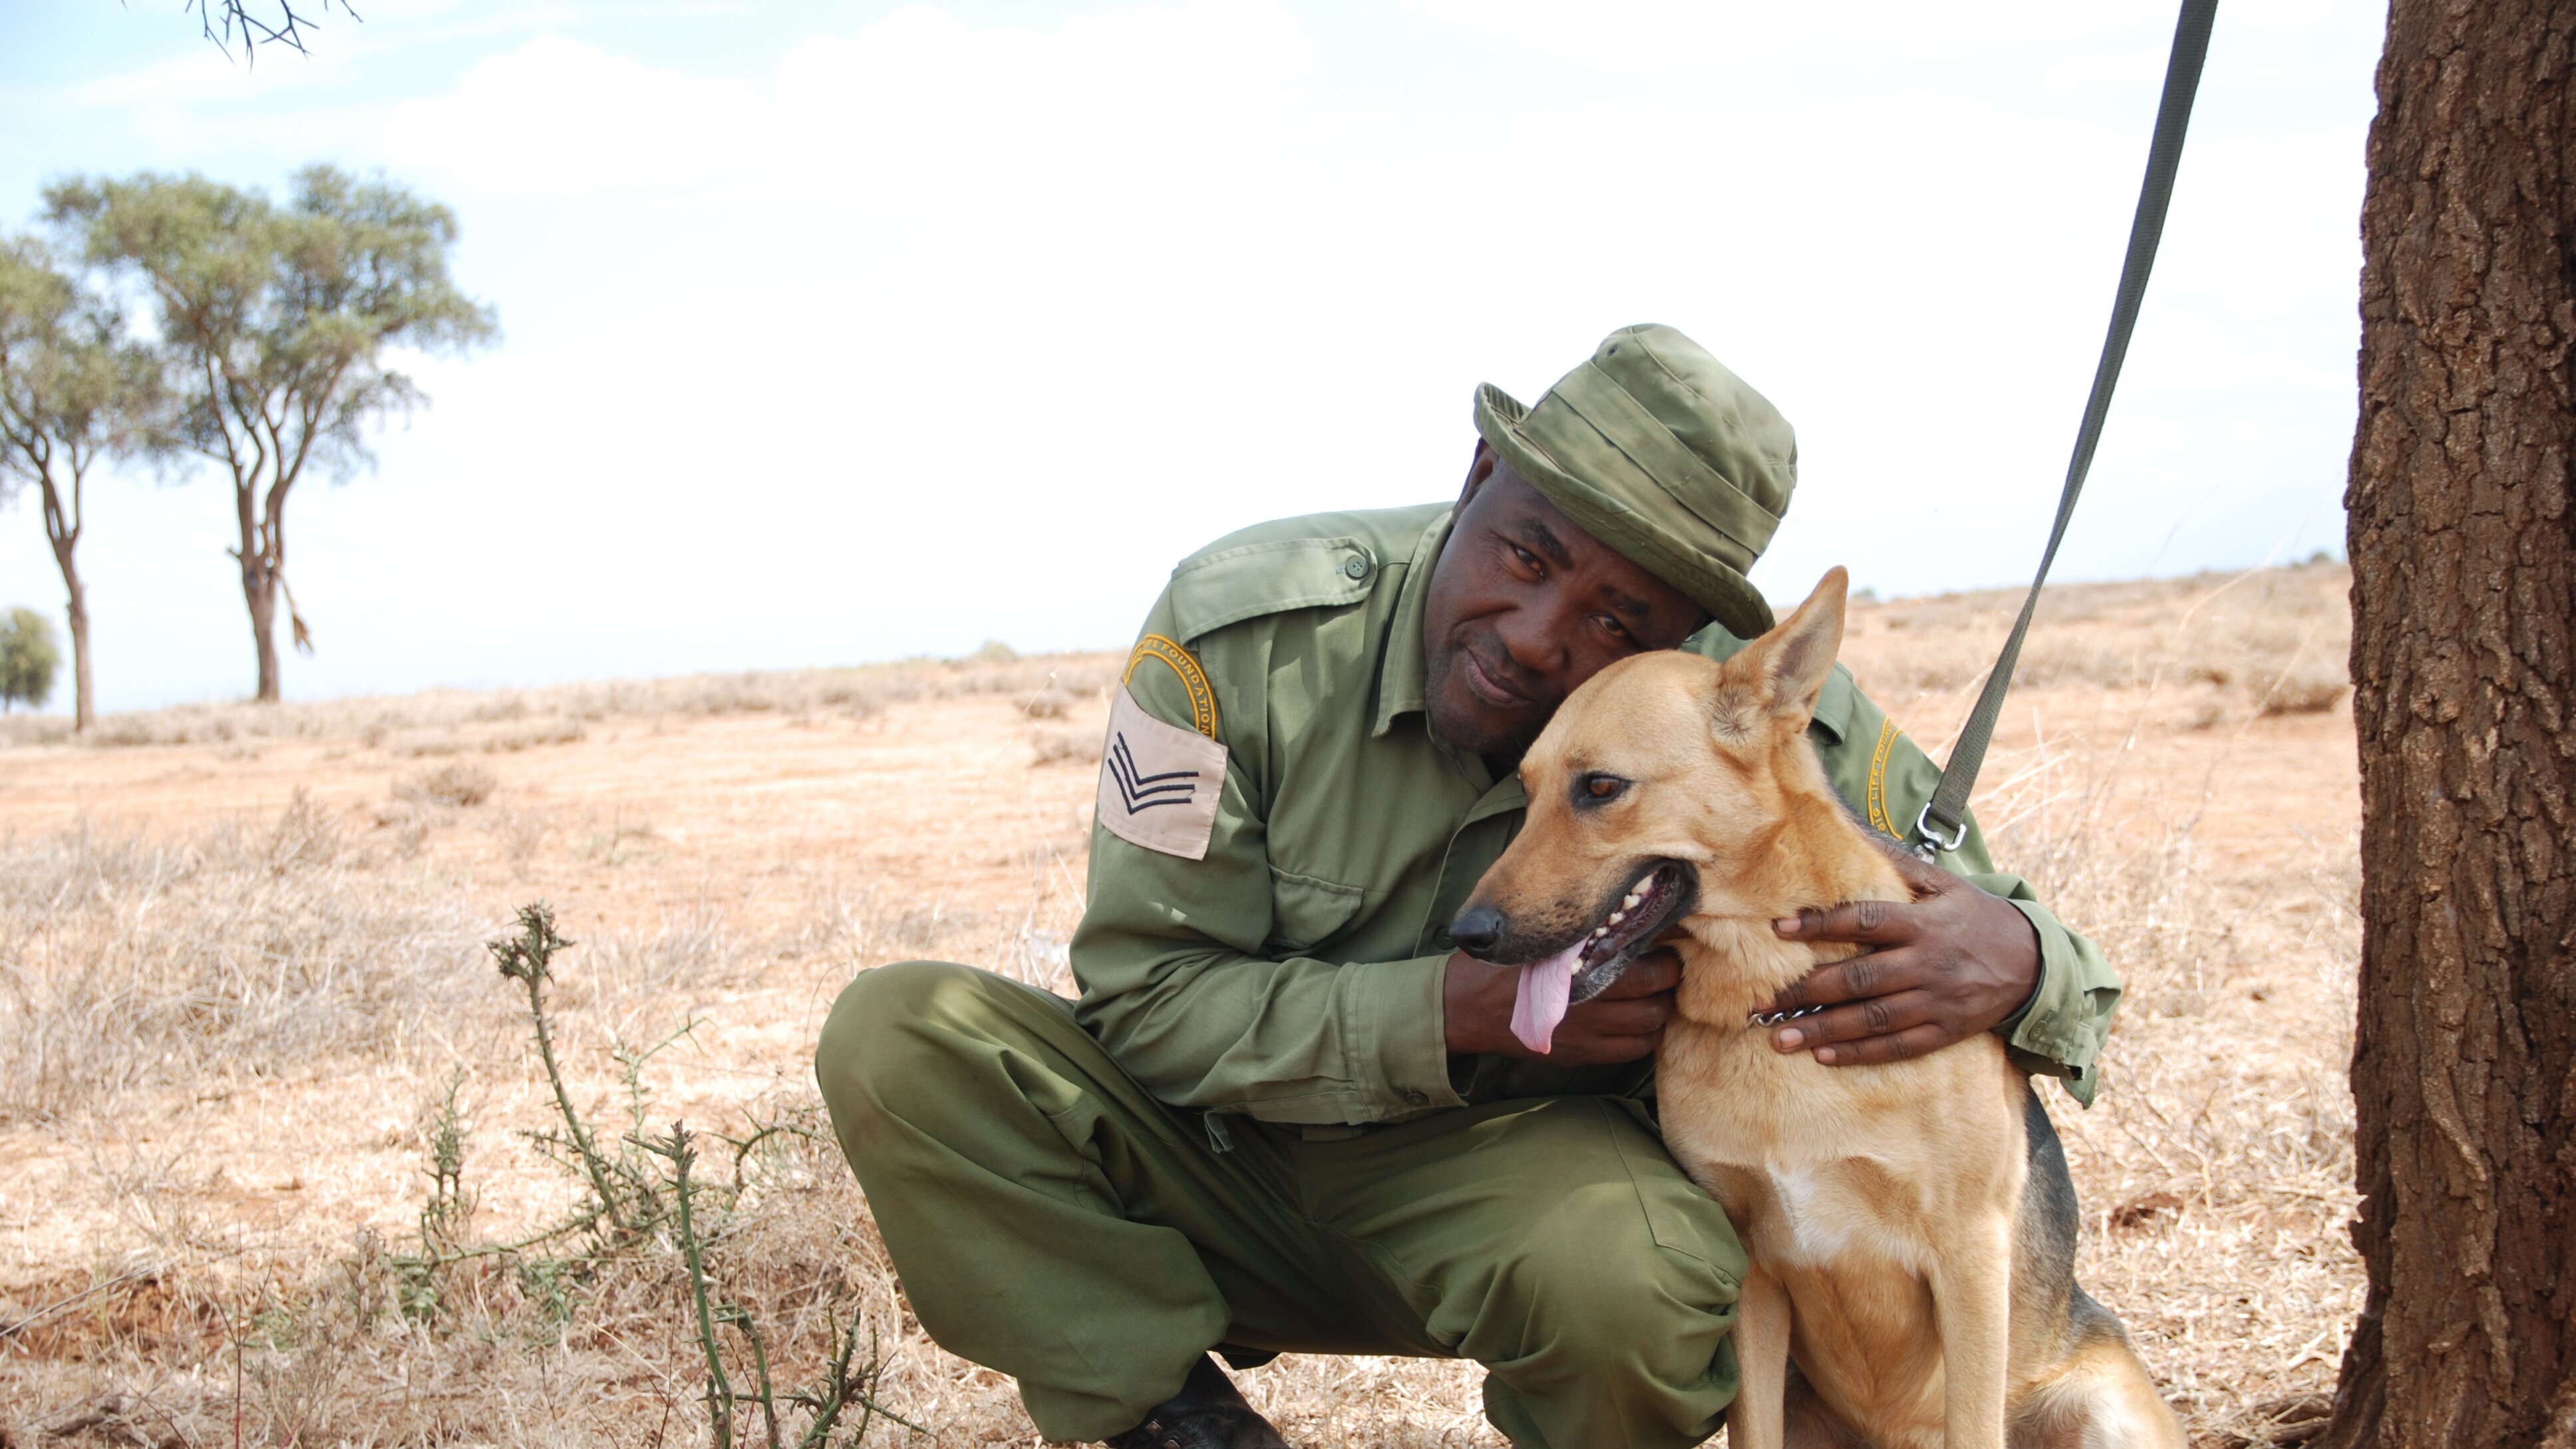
1943	823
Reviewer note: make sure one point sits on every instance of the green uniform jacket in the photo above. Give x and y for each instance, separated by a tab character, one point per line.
1293	974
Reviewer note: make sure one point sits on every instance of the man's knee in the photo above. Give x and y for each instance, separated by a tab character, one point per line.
882	1003
874	1024
1598	1331
1592	1290
908	1036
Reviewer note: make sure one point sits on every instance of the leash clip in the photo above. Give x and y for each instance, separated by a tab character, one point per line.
1931	843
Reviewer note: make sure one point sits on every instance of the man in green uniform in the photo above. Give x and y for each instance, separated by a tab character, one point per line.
1284	1114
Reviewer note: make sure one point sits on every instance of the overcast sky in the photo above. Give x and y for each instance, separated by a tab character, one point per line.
837	332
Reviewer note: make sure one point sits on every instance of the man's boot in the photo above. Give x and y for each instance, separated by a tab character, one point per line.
1206	1414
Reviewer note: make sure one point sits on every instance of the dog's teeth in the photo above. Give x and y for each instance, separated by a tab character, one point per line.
1617	916
1631	901
1600	931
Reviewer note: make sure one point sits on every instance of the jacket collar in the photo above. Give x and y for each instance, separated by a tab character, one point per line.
1402	675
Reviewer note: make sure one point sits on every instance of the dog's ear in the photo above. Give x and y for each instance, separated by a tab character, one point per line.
1798	656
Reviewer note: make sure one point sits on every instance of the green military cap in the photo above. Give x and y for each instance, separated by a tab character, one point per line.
1657	450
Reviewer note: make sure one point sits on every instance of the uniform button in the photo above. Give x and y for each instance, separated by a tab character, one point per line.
1357	568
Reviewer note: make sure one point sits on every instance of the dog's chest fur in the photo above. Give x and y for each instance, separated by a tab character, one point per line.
1841	1183
1817	1163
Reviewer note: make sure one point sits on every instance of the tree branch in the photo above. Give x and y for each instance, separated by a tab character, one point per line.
228	20
66	539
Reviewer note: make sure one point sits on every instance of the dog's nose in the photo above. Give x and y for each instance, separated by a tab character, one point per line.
1477	928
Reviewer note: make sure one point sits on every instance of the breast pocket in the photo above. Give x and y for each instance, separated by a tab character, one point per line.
1307	911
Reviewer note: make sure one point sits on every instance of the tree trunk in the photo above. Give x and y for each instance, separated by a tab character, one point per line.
2464	619
259	590
259	583
63	531
84	706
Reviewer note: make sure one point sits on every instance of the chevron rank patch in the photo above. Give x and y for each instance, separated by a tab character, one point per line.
1159	782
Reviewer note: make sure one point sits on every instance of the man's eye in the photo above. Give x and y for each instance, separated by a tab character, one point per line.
1617	630
1528	560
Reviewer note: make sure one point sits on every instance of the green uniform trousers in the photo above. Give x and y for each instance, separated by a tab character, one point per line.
1051	1219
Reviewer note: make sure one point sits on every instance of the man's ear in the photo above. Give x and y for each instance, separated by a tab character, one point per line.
1795	659
1480	471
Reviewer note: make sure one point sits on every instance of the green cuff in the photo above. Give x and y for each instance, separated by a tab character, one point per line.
1399	1037
2053	1032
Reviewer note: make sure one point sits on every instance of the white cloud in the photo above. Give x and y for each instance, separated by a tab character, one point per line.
557	117
1650	36
916	102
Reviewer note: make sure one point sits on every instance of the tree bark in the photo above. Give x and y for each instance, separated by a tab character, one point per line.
76	612
259	589
63	531
2464	619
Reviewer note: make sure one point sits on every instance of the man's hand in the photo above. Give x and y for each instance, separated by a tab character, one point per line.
1955	962
1621	1024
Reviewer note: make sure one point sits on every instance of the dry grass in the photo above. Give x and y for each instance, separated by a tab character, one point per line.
460	783
2209	649
133	965
229	1035
2216	1169
450	721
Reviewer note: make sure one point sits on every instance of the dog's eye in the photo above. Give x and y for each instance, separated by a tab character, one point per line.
1597	789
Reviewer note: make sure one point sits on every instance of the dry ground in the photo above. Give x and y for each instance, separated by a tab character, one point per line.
240	970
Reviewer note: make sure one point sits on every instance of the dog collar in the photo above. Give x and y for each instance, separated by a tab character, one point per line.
1775	1018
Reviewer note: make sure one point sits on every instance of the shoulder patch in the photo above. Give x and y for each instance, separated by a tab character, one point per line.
1194	680
1887	733
1158	782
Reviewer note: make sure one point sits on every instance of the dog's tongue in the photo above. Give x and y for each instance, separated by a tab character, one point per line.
1539	1003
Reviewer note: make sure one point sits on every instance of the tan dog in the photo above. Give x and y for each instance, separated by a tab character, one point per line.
1911	1226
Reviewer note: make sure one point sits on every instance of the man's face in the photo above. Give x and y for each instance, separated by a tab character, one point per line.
1524	607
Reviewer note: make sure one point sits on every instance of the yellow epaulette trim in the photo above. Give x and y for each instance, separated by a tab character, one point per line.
1887	733
1194	680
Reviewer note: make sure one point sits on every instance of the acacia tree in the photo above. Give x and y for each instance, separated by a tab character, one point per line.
73	389
275	324
2463	545
27	659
